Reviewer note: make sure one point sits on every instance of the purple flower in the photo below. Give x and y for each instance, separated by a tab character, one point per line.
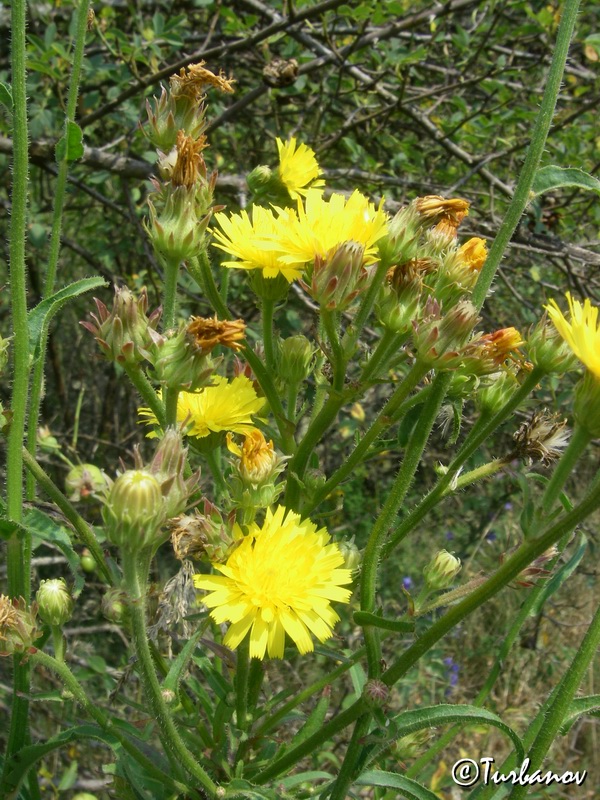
491	536
407	582
449	536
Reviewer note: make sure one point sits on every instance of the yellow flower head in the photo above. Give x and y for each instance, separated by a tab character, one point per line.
298	168
257	456
474	253
225	406
323	225
280	579
582	333
255	242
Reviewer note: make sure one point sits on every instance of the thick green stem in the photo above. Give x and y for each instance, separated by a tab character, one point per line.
137	376
353	334
200	270
103	720
82	529
579	441
385	520
241	683
268	308
390	343
382	421
170	293
346	772
19	547
338	361
478	474
554	715
133	567
171	396
54	247
286	428
534	153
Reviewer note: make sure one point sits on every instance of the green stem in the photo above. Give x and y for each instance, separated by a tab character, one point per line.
527	553
268	308
381	422
217	473
478	474
103	720
138	377
241	683
338	361
534	153
135	582
292	400
170	293
352	335
18	547
389	343
37	382
58	640
554	715
579	441
346	772
82	529
385	520
171	396
483	428
200	270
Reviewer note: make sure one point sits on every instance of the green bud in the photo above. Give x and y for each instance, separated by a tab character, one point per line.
375	693
586	408
115	606
46	441
439	337
402	240
295	359
83	481
495	391
547	350
412	745
179	217
87	561
179	364
338	278
134	511
351	554
55	604
441	570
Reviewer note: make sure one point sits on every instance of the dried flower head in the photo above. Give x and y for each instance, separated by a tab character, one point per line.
208	333
188	165
18	628
194	81
205	535
434	210
543	438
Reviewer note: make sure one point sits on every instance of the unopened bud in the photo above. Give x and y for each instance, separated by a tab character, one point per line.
351	554
83	481
134	511
338	278
115	606
295	359
441	570
55	604
375	693
547	350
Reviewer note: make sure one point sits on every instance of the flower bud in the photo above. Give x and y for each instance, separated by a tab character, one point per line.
124	333
84	480
168	467
412	745
179	364
171	113
295	359
55	604
375	693
46	441
586	406
474	253
351	554
338	278
134	511
434	210
441	570
18	629
257	466
495	393
115	606
179	217
87	562
547	350
439	338
399	301
401	242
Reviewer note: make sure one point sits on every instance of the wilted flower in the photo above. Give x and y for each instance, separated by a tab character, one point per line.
18	628
194	80
55	603
124	332
537	568
208	333
260	595
543	438
206	535
184	164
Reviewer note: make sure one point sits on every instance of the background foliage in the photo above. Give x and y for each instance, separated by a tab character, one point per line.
401	99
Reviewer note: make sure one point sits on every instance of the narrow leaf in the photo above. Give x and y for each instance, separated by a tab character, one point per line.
409	788
580	707
557	580
365	618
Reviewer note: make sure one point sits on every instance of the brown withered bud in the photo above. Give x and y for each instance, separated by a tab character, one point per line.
194	81
434	210
543	438
280	72
203	536
207	333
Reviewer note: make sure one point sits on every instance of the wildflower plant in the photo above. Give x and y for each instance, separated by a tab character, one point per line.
236	418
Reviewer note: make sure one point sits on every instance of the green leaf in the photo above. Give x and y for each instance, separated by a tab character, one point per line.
409	788
365	618
549	178
39	317
580	707
6	96
45	528
70	146
302	777
430	717
557	580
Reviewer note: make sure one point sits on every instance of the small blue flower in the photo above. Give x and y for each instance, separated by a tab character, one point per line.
407	582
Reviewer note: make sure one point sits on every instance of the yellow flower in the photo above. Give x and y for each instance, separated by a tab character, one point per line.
225	406
474	253
257	456
298	168
581	333
322	225
255	242
280	579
